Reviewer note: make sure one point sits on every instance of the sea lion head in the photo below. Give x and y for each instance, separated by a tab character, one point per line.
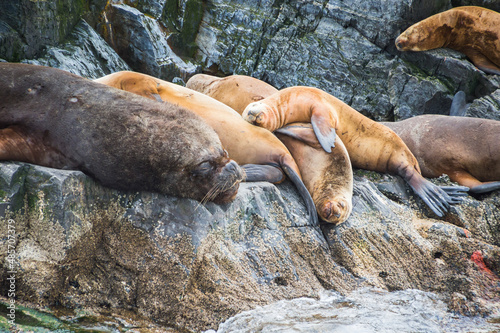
260	114
334	210
196	166
432	33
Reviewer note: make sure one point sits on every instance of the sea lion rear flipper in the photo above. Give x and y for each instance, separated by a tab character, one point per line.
476	186
302	132
485	187
157	97
437	198
263	173
304	193
482	62
459	105
324	131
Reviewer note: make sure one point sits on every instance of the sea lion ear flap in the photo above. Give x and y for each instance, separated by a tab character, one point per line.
301	131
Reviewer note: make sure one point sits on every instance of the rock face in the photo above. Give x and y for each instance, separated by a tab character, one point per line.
189	266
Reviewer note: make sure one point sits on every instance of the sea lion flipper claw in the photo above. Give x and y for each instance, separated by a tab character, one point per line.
263	173
304	193
324	132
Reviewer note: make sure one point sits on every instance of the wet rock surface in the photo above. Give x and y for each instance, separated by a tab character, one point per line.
184	265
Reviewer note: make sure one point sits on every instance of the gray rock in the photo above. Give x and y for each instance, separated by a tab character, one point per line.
183	264
142	43
41	23
85	53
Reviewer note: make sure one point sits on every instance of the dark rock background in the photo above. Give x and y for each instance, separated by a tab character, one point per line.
189	266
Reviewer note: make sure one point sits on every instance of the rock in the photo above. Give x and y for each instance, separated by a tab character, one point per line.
143	44
85	54
41	23
189	266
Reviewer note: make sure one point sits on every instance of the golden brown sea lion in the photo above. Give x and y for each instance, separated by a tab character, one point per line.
371	145
474	31
56	119
236	91
327	176
466	149
258	151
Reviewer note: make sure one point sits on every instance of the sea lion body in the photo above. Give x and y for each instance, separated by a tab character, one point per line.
236	91
252	147
466	149
56	119
371	145
327	176
471	30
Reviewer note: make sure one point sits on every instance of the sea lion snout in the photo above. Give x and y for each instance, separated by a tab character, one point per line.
401	42
335	211
254	113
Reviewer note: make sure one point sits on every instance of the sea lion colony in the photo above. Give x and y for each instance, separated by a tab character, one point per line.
41	136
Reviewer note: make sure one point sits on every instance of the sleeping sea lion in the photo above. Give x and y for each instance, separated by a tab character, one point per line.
466	149
327	176
258	151
371	145
236	91
474	31
56	119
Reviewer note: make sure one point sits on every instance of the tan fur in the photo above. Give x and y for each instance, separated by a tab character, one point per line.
474	31
236	91
247	145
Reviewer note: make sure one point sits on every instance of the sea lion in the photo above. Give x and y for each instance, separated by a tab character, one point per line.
236	91
466	149
471	30
259	152
371	145
327	176
56	119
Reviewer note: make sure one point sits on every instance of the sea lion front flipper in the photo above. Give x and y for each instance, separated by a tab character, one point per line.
324	130
304	193
301	131
263	173
482	62
459	105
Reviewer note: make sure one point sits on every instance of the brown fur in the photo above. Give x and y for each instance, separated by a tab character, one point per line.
371	145
236	91
245	143
474	31
327	176
56	119
466	149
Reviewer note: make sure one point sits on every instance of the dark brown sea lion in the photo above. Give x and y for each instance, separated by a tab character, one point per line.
466	149
474	31
371	145
56	119
327	176
236	91
258	151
